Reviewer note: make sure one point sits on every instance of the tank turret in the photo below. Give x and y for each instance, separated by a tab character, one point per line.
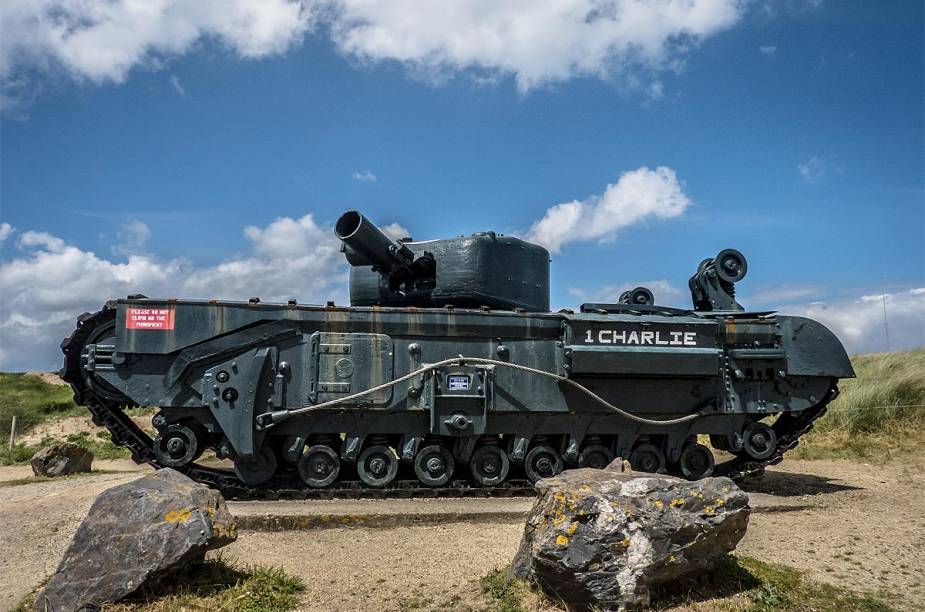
484	269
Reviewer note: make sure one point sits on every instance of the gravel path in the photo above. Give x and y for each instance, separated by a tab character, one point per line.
847	523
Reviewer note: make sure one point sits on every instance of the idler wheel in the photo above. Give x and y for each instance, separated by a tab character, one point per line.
731	442
595	456
489	466
434	465
257	469
176	446
759	441
696	462
647	458
319	466
542	462
377	466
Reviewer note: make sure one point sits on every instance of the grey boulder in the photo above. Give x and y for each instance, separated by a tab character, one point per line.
61	460
135	534
601	538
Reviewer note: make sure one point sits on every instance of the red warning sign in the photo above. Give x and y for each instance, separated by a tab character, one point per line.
149	318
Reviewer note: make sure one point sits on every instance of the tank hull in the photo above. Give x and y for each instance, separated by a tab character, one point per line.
564	381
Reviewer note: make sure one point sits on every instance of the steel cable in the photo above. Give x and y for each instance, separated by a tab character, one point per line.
267	420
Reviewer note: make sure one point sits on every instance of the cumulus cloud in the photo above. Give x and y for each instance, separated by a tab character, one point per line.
395	231
859	321
639	195
813	169
769	50
103	40
50	282
535	42
364	176
5	231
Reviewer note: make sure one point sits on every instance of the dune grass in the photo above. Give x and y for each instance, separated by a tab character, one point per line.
879	415
33	401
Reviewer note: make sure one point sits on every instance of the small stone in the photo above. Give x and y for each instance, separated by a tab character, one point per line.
619	464
136	534
602	538
61	460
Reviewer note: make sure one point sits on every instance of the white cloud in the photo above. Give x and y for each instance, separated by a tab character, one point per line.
769	50
395	231
364	176
813	169
175	81
132	238
858	322
103	40
6	230
45	288
535	42
637	196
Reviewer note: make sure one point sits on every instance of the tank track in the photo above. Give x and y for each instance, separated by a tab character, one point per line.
109	412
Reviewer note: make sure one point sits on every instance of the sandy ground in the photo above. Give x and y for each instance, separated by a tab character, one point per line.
847	523
61	428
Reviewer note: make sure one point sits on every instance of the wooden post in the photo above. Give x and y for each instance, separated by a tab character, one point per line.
12	433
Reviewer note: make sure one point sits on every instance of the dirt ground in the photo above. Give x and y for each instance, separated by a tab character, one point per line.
851	524
61	428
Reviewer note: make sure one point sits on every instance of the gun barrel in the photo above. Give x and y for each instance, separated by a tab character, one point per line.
366	245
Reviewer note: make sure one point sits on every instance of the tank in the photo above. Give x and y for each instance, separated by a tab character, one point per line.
449	375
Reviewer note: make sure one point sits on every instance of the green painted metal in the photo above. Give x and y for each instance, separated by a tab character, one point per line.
217	366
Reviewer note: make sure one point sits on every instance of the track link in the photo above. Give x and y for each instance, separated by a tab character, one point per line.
109	413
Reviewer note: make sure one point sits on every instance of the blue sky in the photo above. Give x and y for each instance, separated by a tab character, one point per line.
186	164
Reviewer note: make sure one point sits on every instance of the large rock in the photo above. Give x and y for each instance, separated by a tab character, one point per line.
61	460
135	533
602	538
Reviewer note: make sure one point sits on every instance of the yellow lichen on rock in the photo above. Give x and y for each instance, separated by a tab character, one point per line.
561	540
178	516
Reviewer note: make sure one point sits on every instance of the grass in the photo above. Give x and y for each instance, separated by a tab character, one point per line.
738	584
33	401
100	444
215	584
879	415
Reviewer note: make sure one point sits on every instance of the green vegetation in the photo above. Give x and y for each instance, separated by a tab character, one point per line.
215	584
33	401
100	444
878	416
738	584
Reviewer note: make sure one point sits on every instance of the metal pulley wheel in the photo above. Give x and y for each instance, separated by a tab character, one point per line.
542	462
258	468
731	265
595	456
696	462
319	466
759	441
434	465
377	466
489	466
176	446
731	442
647	458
